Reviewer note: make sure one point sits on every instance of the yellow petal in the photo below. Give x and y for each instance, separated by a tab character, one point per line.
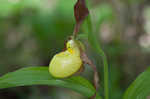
64	64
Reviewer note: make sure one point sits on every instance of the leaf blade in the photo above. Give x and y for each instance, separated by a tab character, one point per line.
40	76
140	88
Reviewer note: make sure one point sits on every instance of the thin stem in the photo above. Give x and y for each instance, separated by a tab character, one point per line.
76	29
93	41
106	74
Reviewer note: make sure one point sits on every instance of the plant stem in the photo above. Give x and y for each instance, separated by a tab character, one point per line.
76	29
94	43
106	74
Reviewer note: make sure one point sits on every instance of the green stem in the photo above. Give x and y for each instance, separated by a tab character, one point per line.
94	43
106	74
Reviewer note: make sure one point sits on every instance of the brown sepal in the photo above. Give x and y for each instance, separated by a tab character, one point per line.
80	11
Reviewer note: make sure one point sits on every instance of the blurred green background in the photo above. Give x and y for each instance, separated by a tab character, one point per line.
32	31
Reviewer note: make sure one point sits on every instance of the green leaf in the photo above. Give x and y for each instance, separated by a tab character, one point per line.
41	76
140	88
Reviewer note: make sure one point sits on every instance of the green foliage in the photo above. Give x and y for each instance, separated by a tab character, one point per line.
40	76
140	88
54	25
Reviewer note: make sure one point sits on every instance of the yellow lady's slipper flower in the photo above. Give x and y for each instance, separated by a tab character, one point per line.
66	63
